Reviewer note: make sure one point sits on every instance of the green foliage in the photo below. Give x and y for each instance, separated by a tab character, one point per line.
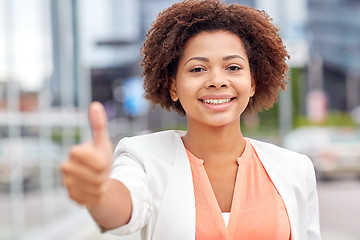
337	119
297	79
182	127
263	125
298	98
57	134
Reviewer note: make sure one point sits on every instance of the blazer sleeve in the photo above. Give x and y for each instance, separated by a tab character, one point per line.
129	169
313	229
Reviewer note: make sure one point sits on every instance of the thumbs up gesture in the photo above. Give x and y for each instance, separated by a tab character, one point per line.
87	168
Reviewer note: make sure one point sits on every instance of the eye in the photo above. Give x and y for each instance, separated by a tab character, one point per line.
234	68
197	69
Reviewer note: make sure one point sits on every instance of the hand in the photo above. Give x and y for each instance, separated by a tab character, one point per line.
87	169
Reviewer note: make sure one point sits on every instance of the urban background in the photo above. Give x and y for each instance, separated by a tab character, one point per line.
56	56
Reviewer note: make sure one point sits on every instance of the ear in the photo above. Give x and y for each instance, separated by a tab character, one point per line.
253	88
173	92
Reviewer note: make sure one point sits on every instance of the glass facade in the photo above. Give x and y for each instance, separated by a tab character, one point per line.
334	35
334	28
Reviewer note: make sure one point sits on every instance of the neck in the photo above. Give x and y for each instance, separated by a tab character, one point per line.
214	144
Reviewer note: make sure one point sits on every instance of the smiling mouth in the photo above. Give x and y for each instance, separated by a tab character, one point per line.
217	101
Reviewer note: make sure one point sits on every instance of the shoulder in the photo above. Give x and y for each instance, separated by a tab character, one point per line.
295	168
153	139
163	143
281	157
273	149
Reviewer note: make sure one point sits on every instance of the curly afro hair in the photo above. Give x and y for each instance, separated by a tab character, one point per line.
175	25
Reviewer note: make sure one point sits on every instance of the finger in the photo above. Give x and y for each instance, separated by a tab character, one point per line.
88	156
79	190
82	173
98	123
75	184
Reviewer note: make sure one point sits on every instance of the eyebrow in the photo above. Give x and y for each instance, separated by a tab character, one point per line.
233	56
204	59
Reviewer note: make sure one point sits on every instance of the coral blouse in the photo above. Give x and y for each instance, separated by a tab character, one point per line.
257	211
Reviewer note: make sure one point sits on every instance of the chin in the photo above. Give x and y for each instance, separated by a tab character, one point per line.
223	122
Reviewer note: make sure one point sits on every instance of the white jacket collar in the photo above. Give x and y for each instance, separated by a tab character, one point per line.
281	183
179	198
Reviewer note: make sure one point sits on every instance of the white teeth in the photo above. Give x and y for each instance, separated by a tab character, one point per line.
216	101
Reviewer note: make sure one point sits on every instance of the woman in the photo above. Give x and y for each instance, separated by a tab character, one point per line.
210	61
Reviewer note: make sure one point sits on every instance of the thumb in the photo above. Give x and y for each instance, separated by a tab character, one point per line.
98	123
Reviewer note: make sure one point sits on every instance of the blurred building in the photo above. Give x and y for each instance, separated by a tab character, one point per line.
100	40
334	37
250	3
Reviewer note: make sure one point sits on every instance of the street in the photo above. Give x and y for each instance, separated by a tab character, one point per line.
339	201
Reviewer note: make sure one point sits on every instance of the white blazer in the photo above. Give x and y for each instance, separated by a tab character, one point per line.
156	170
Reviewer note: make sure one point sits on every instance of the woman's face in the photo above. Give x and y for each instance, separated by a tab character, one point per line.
213	80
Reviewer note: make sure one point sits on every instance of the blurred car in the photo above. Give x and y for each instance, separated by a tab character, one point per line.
26	156
333	150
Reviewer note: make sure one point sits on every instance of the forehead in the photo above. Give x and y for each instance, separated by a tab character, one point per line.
212	42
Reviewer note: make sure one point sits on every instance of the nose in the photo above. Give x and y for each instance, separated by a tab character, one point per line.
217	81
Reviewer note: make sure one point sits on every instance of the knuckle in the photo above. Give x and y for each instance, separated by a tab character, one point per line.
78	150
97	182
73	151
77	198
73	196
98	187
65	166
68	182
97	195
100	179
101	165
81	202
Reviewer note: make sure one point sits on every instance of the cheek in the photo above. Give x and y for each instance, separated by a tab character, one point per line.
186	89
245	89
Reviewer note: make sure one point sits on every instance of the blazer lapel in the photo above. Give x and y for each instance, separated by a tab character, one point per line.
176	217
282	185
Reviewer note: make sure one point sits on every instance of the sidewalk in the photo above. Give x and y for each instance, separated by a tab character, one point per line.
78	226
89	231
64	220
